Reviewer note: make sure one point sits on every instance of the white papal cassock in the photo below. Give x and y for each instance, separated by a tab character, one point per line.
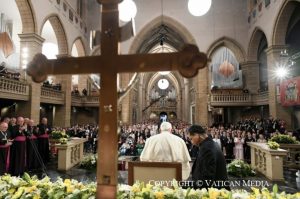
166	147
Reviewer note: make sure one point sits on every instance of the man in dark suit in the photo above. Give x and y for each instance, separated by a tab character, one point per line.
209	169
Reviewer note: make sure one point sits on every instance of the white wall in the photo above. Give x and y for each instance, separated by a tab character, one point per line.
73	4
266	20
43	9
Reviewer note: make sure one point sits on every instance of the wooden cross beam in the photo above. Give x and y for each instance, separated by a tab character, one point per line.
187	61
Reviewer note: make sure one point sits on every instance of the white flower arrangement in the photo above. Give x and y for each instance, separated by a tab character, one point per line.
33	188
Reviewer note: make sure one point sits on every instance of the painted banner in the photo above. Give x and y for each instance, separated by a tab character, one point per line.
290	91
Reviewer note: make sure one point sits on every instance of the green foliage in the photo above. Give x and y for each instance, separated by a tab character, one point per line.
239	168
89	162
273	145
63	140
284	139
58	135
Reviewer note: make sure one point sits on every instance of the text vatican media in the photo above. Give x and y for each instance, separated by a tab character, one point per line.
212	183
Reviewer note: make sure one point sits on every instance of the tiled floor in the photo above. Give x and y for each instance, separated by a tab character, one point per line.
290	185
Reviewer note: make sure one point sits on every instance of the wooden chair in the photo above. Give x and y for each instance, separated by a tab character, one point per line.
153	171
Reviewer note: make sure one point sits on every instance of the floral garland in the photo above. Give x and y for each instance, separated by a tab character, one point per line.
32	188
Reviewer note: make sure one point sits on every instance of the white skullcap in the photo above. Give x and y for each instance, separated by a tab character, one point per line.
165	126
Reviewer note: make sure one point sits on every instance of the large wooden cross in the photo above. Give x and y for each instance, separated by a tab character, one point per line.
188	61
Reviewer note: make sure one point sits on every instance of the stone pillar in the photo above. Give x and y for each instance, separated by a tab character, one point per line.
126	111
62	116
33	44
185	110
140	104
275	108
201	97
251	73
82	82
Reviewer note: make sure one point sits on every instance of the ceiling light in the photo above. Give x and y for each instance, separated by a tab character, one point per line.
127	10
199	7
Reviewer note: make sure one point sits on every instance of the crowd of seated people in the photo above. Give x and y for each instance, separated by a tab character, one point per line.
231	138
5	72
47	84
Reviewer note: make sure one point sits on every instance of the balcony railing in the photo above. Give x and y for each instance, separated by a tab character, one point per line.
85	101
244	99
51	96
231	99
14	89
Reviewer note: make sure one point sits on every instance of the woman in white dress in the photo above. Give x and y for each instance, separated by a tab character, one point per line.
239	146
217	139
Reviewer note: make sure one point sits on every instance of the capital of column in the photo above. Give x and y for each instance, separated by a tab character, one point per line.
249	64
276	49
31	37
63	55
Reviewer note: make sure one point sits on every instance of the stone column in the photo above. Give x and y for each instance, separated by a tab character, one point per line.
251	73
62	116
140	105
126	104
275	108
31	44
82	82
201	97
185	110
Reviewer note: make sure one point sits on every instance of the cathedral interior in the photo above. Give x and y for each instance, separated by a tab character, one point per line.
245	41
252	47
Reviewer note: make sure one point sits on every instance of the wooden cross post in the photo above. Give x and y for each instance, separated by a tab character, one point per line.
108	64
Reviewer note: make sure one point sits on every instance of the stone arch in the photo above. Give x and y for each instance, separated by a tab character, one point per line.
96	50
282	22
254	42
80	47
157	76
27	14
60	33
233	45
168	21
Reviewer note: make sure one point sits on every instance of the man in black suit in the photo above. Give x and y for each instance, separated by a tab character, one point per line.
209	169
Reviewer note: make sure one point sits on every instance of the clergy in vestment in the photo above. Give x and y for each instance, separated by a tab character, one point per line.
18	148
4	147
43	140
209	168
166	147
32	160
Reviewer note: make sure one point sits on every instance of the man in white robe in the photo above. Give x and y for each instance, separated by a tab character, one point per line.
166	147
